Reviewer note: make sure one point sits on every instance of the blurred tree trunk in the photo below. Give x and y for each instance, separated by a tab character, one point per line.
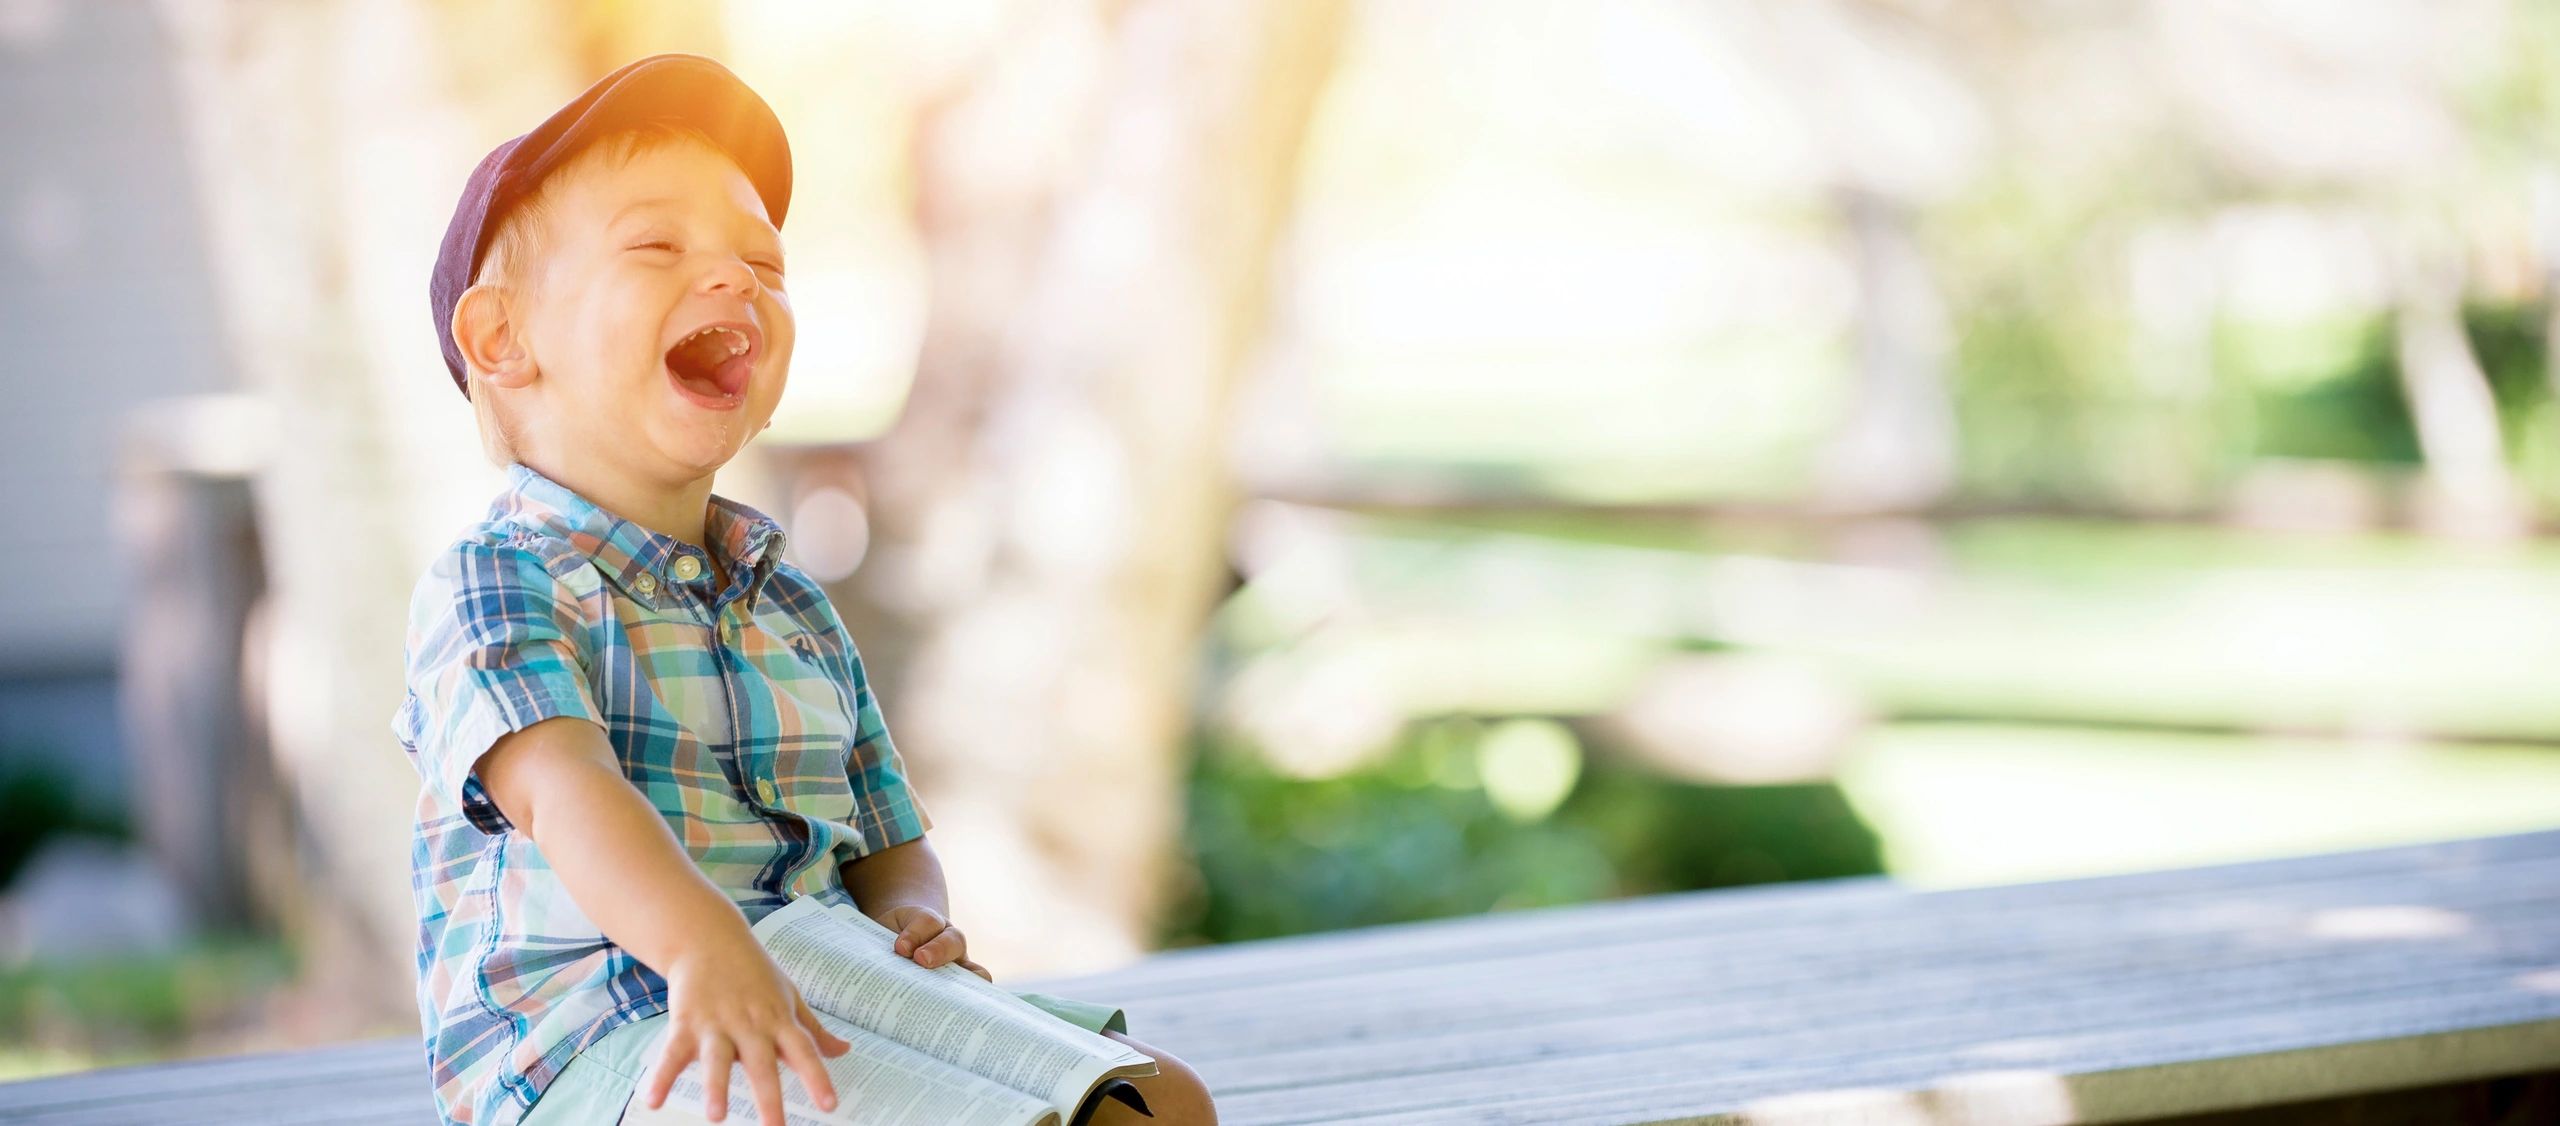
2469	487
329	141
1896	448
1099	198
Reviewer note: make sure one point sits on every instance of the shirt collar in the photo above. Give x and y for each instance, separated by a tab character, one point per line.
748	542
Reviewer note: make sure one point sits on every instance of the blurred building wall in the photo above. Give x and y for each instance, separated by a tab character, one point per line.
106	303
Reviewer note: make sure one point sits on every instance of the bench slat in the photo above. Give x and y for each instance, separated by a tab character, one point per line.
1856	900
1560	984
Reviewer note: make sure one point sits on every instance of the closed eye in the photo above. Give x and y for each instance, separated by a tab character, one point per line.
662	244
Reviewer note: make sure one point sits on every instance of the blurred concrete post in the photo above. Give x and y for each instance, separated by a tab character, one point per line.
206	800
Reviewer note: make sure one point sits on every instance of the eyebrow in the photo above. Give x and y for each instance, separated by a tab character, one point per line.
635	205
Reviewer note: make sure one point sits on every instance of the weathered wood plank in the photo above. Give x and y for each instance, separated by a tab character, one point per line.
1814	903
1682	1081
385	1078
1559	984
1955	963
1833	1026
2103	999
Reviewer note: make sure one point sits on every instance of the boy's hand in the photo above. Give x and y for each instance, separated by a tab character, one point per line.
928	937
727	1002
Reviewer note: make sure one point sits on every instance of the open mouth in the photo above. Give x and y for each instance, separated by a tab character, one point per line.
712	364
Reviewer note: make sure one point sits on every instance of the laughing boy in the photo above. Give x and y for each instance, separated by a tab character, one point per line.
639	728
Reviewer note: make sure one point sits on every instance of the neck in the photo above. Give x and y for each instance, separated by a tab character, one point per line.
680	509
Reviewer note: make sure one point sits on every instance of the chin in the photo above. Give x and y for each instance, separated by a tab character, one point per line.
701	445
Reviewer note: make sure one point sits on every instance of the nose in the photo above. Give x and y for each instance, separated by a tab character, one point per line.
735	276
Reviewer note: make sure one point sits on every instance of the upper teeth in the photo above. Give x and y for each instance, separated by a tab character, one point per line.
737	339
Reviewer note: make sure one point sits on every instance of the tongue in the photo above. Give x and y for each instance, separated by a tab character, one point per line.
701	385
705	365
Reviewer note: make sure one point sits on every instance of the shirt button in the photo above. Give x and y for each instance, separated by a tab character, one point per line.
764	789
688	568
645	582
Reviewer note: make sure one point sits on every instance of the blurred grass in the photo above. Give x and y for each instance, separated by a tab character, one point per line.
63	1015
2110	623
1962	804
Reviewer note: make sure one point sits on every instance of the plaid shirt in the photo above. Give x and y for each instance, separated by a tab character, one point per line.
741	713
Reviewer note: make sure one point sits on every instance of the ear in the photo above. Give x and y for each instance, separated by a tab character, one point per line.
485	328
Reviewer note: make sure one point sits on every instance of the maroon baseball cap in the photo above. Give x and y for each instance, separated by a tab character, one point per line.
690	89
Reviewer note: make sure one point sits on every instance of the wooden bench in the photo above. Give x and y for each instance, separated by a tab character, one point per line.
2432	971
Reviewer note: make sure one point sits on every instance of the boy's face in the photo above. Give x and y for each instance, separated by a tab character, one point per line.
640	259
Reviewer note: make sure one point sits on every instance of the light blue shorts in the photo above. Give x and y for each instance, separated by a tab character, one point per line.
600	1080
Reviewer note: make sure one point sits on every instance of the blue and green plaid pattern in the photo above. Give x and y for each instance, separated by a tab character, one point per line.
742	713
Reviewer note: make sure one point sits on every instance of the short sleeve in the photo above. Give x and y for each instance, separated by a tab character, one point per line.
497	643
886	810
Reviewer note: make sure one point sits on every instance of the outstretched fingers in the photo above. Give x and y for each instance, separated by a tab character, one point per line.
677	1052
763	1078
801	1053
717	1056
829	1044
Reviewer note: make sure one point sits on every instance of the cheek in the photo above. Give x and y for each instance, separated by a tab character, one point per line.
782	330
612	337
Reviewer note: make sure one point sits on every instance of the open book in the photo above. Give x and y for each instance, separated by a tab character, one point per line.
939	1045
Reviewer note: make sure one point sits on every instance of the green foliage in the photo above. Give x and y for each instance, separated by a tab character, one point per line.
2513	346
37	801
66	1014
2509	340
2323	390
1665	835
2060	397
2045	416
2332	389
1414	836
119	1006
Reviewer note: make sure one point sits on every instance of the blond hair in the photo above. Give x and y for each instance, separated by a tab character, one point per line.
524	237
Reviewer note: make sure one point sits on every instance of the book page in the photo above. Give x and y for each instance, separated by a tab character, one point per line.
845	965
1121	1054
878	1083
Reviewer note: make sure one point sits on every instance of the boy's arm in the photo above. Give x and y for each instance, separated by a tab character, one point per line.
902	887
902	874
559	783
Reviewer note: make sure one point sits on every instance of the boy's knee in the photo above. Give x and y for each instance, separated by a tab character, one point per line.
1176	1093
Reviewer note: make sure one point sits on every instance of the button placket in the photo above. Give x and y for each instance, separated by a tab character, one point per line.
724	631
